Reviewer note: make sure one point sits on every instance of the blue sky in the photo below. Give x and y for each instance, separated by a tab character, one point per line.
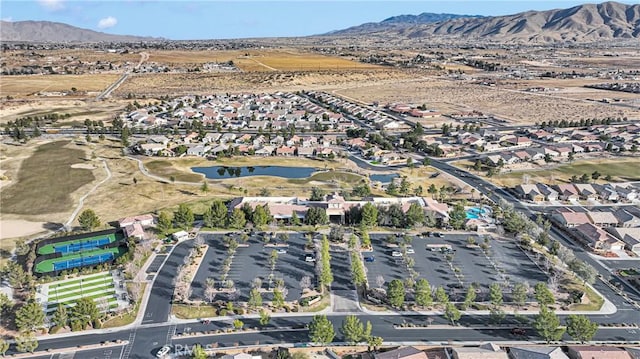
182	20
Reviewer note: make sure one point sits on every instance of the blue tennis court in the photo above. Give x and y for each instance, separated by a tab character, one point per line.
81	246
83	261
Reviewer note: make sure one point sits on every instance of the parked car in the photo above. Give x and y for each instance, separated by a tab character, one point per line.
426	234
396	254
518	331
309	258
410	251
369	259
437	234
163	351
281	250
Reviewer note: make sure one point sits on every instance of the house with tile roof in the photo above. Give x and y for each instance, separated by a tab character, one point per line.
568	218
597	352
485	351
537	352
597	238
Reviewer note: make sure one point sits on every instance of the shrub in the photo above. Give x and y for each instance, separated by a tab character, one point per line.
97	324
76	326
239	311
223	312
54	329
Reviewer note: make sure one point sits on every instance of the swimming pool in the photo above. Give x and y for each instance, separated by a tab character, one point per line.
475	212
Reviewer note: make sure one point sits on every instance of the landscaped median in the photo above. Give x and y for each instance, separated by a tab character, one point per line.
48	352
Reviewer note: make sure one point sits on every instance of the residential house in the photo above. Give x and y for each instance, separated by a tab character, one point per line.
530	192
535	154
597	352
603	219
485	351
634	352
550	151
197	150
145	220
597	238
537	352
563	152
265	151
306	151
211	137
607	192
241	356
518	141
626	219
630	237
134	231
567	192
569	219
285	151
586	191
549	193
151	149
160	139
402	353
626	192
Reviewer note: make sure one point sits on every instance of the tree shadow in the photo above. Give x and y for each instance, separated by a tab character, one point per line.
52	226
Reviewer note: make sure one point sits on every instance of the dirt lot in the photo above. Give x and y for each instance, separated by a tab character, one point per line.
182	84
517	106
79	109
20	86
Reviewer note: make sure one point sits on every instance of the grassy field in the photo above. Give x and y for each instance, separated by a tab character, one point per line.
184	311
621	169
167	170
45	180
95	286
17	86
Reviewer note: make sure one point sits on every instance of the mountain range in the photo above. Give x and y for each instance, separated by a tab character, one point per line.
47	31
584	23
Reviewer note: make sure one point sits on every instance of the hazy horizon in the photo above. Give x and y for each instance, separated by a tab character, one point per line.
194	20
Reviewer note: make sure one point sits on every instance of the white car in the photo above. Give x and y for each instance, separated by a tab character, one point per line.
309	258
163	351
281	250
396	254
410	251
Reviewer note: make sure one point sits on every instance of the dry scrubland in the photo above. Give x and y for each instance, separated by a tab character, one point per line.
516	106
17	57
182	84
79	109
620	169
20	86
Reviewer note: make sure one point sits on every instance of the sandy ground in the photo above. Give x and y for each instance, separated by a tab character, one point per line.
79	109
86	166
13	228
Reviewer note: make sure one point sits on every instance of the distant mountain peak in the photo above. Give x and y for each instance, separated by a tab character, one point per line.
583	23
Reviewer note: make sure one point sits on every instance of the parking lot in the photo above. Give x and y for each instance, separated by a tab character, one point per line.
252	261
504	262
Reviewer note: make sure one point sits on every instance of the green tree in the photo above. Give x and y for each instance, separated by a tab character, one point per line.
395	293
452	313
238	324
164	222
218	215
423	294
278	299
414	215
4	346
543	295
441	296
183	217
321	330
547	325
264	317
89	220
352	329
375	342
326	275
369	215
30	317
469	298
205	187
84	312
255	298
495	295
357	270
237	220
316	216
580	328
198	352
22	248
60	317
457	216
519	294
26	343
317	194
295	220
261	216
365	240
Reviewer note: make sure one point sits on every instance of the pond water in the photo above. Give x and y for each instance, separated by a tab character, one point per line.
222	172
384	178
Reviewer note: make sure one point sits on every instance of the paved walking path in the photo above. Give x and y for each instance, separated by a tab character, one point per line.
81	201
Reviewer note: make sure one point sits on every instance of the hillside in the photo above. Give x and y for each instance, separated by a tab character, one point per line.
47	31
583	23
397	22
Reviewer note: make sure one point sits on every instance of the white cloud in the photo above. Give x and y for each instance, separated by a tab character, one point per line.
107	22
52	5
